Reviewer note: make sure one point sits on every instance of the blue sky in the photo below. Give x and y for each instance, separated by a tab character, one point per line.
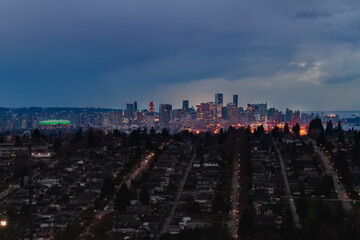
304	54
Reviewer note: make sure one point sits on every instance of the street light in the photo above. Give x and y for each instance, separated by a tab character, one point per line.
3	223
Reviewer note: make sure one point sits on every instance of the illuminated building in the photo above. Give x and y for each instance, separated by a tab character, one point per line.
257	112
289	115
165	110
219	100
232	112
306	118
206	111
203	110
178	114
151	107
296	117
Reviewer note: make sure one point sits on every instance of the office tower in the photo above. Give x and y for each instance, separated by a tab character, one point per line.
219	99
165	110
151	107
260	109
232	112
203	110
296	117
224	113
130	110
236	100
135	106
185	104
289	115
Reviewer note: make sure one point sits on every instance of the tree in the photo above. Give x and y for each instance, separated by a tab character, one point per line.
316	131
286	129
302	207
339	127
259	132
144	195
57	143
165	132
221	136
275	132
36	135
171	186
152	131
341	137
218	203
134	138
91	139
116	133
246	223
108	187
192	205
122	199
355	151
144	131
78	136
248	130
18	140
329	127
296	129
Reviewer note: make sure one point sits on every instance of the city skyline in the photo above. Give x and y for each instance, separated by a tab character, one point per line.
300	55
179	120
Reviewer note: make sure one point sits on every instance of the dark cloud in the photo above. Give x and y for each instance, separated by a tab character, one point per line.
61	53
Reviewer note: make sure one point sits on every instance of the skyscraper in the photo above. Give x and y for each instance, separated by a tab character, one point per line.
219	99
289	114
135	106
235	100
185	104
165	110
130	110
151	107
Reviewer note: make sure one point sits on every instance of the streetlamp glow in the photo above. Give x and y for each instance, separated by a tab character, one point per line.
3	223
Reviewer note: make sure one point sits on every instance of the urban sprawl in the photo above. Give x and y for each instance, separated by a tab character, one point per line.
211	172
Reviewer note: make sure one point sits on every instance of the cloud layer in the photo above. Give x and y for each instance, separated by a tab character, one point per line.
91	53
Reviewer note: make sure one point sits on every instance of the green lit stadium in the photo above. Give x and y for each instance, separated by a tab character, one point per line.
54	122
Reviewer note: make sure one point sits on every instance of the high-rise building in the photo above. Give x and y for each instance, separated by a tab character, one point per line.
232	112
135	106
259	108
165	113
203	110
130	110
185	104
151	107
289	115
296	117
236	100
224	113
219	101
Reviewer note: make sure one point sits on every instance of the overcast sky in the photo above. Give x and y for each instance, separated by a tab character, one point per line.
299	54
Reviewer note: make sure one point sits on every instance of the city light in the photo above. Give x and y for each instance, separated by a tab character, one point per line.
3	223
